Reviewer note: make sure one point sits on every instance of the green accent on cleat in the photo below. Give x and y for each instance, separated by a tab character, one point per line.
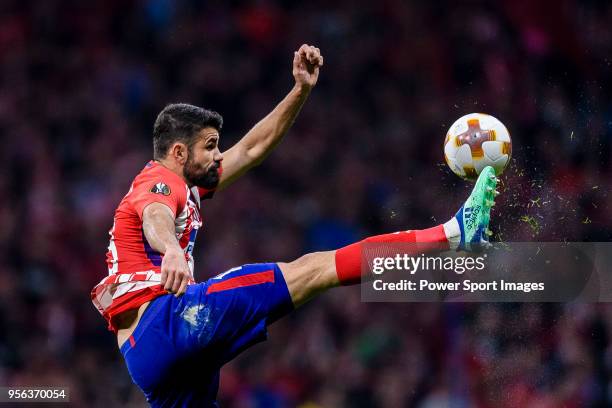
474	216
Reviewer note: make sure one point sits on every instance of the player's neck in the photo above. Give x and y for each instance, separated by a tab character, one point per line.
173	167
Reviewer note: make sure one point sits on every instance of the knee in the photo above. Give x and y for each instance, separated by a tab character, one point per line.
309	275
312	262
315	267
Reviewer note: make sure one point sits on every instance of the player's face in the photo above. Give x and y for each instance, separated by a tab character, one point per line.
204	160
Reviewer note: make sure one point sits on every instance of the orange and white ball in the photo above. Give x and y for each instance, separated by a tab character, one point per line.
475	141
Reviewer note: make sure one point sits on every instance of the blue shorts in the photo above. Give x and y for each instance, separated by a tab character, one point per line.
180	344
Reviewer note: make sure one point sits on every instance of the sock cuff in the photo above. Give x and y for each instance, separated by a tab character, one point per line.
349	258
453	233
348	264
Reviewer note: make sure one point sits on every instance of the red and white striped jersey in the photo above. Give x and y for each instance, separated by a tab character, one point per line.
134	268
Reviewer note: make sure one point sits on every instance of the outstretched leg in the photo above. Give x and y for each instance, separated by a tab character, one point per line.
315	272
192	336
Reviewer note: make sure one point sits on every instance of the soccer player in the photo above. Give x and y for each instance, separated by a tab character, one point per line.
176	334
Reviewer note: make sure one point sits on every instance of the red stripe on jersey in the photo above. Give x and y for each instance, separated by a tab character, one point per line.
132	341
242	281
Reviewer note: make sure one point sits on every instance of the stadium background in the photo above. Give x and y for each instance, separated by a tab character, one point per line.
80	86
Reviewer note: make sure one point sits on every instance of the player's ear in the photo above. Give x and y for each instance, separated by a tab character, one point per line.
178	152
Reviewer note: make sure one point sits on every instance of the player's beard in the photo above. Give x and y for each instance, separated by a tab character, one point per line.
197	175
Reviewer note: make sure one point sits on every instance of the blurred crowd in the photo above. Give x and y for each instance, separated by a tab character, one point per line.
82	82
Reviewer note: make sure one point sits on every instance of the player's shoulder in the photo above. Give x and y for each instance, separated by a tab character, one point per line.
155	172
156	183
162	182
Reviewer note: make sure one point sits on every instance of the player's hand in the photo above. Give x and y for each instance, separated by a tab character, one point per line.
306	63
175	274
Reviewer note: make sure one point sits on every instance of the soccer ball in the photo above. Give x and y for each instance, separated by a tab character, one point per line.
475	141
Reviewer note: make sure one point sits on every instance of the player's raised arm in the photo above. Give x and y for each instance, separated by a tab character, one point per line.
158	228
265	135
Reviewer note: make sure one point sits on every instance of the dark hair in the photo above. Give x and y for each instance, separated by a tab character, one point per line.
180	122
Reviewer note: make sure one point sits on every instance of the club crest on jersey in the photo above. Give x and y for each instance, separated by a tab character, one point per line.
160	188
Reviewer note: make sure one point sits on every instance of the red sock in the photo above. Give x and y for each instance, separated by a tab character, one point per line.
348	259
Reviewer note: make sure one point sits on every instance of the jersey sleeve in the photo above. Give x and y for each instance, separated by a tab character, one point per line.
158	189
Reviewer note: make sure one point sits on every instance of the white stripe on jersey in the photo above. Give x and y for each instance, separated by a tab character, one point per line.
113	250
180	223
123	288
221	275
111	245
196	195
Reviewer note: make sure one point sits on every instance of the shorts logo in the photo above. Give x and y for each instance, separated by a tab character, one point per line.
160	188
